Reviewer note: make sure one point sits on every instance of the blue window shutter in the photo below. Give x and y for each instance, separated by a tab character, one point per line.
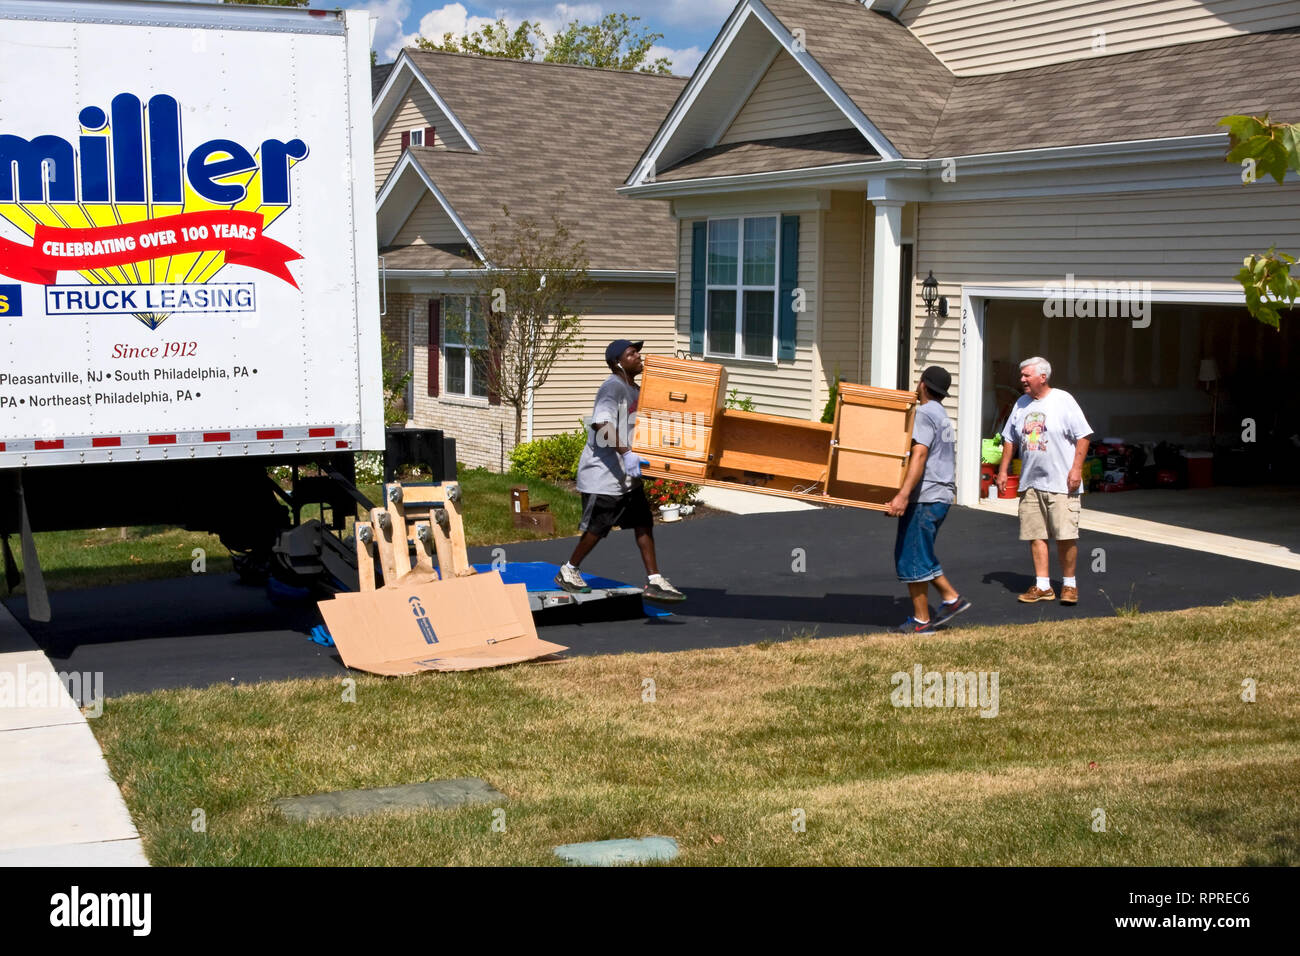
699	252
787	323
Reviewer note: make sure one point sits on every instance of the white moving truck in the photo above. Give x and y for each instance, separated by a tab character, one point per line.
188	283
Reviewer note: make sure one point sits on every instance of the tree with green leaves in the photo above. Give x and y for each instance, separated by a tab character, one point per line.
532	286
524	42
1272	149
611	44
614	43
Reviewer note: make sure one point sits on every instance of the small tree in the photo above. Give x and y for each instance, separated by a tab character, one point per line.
531	283
1271	149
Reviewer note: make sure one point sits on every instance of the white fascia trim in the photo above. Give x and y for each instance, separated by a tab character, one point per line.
404	62
408	162
828	86
1178	148
692	91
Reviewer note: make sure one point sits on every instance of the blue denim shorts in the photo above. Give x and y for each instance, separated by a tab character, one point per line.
914	547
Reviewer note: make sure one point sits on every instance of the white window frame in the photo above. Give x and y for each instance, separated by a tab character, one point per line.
416	133
447	310
739	288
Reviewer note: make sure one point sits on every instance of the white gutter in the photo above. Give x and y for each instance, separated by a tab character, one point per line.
1016	161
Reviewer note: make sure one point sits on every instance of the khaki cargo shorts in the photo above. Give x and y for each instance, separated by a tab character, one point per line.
1046	515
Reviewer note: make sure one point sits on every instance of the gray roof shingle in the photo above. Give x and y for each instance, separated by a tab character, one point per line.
926	112
554	138
785	152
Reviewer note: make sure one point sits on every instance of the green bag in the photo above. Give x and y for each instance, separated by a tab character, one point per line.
991	451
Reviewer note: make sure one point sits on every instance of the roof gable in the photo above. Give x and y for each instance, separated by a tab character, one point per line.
551	139
858	60
398	84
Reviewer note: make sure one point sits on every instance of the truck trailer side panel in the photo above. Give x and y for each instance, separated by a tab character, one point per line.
187	233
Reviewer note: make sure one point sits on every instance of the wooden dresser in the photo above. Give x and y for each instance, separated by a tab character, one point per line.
684	432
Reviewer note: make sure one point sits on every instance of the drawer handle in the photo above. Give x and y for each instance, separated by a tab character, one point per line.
670	442
676	396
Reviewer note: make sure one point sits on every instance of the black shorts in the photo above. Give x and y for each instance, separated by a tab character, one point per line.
600	513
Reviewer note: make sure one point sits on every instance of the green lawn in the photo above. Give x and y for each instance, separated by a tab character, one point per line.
1139	716
98	558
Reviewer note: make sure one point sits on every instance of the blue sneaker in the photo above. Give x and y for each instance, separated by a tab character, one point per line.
948	611
913	626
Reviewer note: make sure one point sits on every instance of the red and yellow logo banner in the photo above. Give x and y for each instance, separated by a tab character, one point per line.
237	234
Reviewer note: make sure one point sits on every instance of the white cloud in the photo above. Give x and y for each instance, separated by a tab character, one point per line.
388	16
684	61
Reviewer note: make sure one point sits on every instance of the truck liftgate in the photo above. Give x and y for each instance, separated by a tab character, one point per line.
236	499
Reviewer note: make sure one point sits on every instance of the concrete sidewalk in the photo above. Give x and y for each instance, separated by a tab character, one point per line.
59	805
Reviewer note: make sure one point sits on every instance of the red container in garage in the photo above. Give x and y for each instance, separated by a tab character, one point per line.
1200	469
988	474
1013	488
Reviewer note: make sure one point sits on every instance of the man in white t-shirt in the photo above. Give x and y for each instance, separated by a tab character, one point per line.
1053	436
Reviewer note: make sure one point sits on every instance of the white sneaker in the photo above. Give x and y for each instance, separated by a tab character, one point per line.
571	580
658	588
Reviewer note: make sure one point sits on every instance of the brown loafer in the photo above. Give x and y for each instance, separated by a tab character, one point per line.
1033	594
1069	595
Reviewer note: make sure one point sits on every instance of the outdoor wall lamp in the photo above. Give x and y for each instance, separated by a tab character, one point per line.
929	293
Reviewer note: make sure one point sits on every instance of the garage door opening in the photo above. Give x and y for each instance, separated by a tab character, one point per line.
1202	405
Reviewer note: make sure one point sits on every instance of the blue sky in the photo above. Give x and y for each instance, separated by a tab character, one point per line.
688	26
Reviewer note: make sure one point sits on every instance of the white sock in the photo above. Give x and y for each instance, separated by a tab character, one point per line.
570	565
655	578
1044	584
1069	583
953	601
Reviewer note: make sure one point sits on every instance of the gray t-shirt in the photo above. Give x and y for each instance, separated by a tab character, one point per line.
1047	429
933	430
600	469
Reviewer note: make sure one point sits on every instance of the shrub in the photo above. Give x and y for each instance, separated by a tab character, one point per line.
740	403
550	459
665	491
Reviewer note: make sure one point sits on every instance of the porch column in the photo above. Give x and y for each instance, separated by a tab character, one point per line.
887	255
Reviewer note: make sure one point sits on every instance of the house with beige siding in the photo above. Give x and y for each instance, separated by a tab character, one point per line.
458	137
1055	168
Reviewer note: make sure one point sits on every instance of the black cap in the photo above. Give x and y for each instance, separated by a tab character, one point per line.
936	381
616	349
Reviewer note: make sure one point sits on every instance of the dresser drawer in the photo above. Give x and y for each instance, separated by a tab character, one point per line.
673	467
663	433
691	390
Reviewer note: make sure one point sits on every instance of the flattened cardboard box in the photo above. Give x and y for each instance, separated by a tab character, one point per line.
458	624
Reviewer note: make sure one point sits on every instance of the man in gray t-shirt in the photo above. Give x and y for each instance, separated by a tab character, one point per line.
609	476
928	490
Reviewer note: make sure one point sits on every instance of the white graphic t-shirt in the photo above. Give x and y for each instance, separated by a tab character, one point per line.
1046	430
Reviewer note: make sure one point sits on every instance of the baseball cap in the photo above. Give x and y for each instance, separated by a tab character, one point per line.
616	349
937	380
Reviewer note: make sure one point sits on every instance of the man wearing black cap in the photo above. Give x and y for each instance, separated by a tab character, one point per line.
609	476
928	490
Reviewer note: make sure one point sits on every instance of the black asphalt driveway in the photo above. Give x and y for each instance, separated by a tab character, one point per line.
749	578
